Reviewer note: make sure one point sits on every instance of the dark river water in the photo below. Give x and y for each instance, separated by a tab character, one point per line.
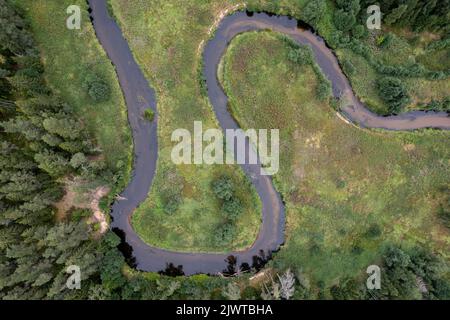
139	95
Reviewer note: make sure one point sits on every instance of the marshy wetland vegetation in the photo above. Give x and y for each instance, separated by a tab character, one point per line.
354	197
349	192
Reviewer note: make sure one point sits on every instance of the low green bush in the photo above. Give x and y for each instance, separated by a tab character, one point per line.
301	55
77	214
374	231
223	188
232	208
394	93
96	87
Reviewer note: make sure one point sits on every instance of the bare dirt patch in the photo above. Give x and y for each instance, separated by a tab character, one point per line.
80	196
259	278
98	216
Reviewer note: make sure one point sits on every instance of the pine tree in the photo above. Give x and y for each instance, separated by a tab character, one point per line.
395	14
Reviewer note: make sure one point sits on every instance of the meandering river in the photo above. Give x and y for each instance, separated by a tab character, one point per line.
139	95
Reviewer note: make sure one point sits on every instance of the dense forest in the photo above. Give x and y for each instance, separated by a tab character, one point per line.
42	141
420	15
350	32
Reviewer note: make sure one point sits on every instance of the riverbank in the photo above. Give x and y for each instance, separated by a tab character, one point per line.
197	262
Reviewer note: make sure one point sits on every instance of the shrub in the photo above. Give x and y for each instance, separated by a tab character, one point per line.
78	160
225	233
323	90
171	202
78	214
349	5
444	211
348	67
374	231
223	188
250	293
356	249
314	248
344	20
336	39
232	208
439	44
96	87
301	55
393	93
149	114
171	191
359	31
436	105
347	289
386	41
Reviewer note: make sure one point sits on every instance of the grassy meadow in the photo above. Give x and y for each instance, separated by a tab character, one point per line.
172	65
70	56
349	192
403	50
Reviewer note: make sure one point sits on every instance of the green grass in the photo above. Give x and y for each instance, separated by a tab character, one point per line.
70	55
193	225
171	63
403	50
337	180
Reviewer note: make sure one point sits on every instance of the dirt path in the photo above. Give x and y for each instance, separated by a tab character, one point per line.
98	216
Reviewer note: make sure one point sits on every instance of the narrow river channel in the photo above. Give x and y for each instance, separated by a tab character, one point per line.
140	95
